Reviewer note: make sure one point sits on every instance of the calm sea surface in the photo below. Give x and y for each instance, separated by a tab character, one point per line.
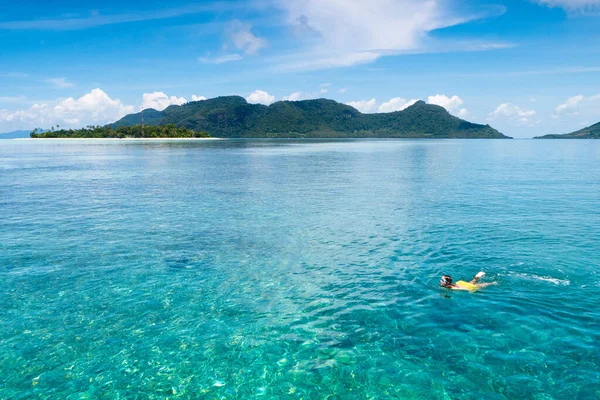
299	269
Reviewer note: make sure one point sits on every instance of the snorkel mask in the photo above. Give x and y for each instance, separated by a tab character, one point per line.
446	280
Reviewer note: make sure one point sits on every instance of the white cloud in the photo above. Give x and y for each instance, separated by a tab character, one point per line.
579	105
451	104
241	36
570	107
221	59
293	97
572	5
323	90
260	97
198	98
342	90
59	83
364	106
463	113
514	114
159	101
396	104
350	32
74	21
314	61
95	107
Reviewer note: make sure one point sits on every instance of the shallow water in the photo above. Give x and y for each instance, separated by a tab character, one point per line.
299	269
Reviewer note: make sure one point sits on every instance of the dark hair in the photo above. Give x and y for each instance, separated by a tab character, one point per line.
446	280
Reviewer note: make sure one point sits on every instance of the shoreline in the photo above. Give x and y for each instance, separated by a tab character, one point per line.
124	139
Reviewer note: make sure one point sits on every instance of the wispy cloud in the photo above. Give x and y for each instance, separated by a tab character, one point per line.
221	59
346	33
96	19
536	72
314	61
59	83
240	41
578	6
242	38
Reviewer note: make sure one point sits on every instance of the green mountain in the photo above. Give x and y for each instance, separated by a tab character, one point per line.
591	132
151	117
233	116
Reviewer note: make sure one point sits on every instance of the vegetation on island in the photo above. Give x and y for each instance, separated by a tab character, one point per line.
121	132
590	132
233	116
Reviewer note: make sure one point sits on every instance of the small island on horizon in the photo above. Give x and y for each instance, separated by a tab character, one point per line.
234	117
590	132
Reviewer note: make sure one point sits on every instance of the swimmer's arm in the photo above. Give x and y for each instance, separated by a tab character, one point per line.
477	277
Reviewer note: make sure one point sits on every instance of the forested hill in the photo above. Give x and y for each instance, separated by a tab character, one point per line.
591	132
232	116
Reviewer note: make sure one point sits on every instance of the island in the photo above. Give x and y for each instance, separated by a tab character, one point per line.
121	132
21	134
590	132
234	117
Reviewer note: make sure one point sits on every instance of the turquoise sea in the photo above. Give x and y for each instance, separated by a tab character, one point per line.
284	269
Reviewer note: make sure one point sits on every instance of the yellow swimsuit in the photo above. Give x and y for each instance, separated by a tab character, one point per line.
466	285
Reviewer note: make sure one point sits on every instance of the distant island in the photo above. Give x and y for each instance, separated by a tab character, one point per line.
122	132
15	134
234	117
591	132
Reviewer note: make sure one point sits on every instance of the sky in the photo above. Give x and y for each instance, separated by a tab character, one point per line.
526	67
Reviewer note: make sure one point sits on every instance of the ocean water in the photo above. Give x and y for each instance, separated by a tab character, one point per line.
299	269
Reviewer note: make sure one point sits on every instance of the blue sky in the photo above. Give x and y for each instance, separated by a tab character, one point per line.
526	67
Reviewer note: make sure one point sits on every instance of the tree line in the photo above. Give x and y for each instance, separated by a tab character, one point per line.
122	132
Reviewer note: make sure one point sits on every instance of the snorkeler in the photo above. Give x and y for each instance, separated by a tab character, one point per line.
446	282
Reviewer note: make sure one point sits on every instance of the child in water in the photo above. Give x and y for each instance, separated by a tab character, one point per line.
446	282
